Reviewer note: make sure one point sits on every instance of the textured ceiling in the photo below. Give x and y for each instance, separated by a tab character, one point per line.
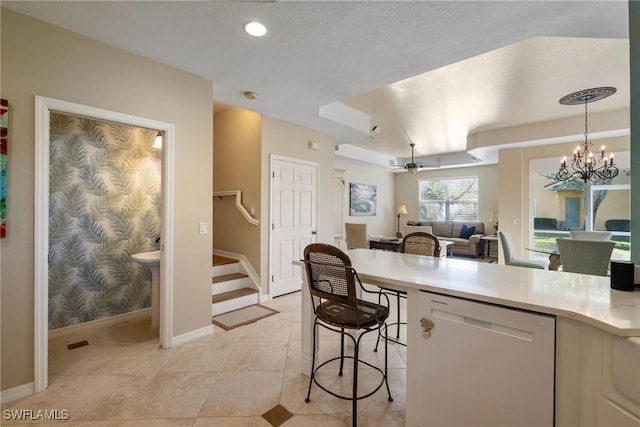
361	53
511	86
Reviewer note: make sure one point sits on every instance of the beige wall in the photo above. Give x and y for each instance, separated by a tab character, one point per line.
39	59
406	190
384	223
237	141
513	172
289	140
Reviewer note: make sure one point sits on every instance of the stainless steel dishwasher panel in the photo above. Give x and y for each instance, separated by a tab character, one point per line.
484	365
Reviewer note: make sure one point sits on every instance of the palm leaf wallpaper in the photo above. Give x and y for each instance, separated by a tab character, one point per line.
104	206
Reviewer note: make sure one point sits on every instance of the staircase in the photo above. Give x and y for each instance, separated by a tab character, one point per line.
231	287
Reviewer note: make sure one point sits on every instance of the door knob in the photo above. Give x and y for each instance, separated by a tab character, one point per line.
314	232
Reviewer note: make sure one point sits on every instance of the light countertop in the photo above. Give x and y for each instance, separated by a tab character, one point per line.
586	298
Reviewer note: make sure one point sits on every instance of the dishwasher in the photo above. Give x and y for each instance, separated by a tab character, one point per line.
483	365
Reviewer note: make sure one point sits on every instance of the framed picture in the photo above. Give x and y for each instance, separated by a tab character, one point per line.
362	199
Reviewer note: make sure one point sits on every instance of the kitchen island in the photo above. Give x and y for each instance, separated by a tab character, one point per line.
596	359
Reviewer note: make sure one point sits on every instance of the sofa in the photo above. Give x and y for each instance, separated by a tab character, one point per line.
450	230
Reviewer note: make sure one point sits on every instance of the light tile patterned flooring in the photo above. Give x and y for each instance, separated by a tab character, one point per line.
229	378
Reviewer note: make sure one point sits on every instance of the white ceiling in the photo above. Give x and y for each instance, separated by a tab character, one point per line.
403	64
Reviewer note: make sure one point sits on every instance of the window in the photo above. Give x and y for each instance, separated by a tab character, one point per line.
561	206
454	199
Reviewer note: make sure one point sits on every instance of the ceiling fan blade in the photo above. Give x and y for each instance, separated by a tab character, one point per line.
428	165
413	165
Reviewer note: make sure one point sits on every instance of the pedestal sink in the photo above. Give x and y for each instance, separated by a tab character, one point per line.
152	260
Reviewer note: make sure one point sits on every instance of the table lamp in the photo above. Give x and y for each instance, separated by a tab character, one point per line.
402	210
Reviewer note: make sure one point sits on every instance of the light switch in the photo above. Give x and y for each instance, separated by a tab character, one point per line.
203	228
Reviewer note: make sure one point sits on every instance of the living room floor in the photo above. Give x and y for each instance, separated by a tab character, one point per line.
228	378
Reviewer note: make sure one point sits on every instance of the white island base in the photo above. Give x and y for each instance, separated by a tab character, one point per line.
596	381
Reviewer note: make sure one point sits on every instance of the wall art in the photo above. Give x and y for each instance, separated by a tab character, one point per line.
363	199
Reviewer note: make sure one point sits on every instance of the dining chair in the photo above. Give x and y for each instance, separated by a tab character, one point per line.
356	236
505	242
590	235
585	256
418	243
332	284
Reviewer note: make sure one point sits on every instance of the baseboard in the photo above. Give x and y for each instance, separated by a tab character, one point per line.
192	335
16	393
100	323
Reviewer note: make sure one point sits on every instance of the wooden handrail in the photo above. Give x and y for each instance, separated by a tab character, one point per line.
238	195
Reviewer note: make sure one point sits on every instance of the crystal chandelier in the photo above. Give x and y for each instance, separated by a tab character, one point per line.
585	163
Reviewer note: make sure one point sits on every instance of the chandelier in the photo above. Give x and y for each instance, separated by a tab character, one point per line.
585	163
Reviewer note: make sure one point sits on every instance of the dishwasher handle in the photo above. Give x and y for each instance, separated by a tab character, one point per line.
427	326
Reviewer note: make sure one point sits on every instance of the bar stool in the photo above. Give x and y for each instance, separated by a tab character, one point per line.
418	243
332	284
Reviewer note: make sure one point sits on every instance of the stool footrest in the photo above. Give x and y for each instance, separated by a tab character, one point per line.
382	380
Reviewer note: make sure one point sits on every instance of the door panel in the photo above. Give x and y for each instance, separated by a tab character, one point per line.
286	253
306	206
306	178
286	208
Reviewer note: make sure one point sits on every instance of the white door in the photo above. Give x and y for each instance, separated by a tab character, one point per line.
293	221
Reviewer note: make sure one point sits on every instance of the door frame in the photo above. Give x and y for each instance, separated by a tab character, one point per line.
272	159
43	108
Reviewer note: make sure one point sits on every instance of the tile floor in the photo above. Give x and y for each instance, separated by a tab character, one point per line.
229	378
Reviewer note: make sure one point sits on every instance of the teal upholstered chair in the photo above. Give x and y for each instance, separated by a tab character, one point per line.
585	256
505	242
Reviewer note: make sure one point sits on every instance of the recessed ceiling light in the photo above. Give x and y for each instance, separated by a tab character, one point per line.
255	29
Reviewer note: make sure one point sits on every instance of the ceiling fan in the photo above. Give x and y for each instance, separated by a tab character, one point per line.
413	166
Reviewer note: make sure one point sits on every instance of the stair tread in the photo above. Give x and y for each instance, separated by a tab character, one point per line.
227	277
226	296
221	260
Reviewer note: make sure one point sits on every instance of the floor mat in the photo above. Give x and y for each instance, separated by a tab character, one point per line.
242	316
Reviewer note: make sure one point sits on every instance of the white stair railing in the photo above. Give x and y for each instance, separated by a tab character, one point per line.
238	195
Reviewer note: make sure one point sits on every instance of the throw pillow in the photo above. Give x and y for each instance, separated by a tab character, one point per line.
466	232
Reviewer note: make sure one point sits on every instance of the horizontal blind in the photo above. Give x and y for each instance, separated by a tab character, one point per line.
453	199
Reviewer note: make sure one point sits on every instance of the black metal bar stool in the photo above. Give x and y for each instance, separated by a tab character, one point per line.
331	281
418	243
